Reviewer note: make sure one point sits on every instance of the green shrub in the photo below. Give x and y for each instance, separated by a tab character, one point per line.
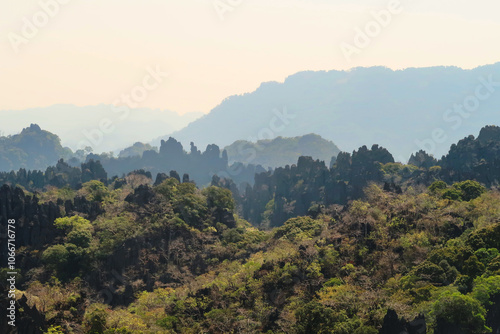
219	198
462	310
470	189
437	185
95	319
97	191
452	194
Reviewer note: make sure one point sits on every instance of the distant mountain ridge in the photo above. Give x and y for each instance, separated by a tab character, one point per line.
33	148
281	151
402	110
81	126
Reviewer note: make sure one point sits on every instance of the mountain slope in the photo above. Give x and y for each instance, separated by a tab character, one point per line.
281	151
396	109
33	148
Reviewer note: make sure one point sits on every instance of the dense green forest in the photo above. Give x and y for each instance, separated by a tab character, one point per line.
364	246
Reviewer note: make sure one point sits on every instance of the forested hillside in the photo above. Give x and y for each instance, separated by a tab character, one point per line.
250	167
33	148
366	246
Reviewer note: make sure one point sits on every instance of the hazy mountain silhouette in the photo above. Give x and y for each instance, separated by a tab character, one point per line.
281	151
362	106
70	122
33	148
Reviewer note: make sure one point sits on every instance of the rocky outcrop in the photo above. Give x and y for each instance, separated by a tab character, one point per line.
144	262
34	221
489	133
28	319
474	159
60	175
422	159
80	205
142	195
294	189
160	177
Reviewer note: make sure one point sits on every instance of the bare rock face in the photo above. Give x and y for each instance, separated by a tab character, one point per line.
28	319
160	177
80	205
141	196
472	158
488	134
35	221
422	159
31	321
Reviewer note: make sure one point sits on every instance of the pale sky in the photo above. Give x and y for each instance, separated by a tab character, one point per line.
92	51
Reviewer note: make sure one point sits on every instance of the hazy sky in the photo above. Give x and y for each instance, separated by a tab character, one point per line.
92	51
